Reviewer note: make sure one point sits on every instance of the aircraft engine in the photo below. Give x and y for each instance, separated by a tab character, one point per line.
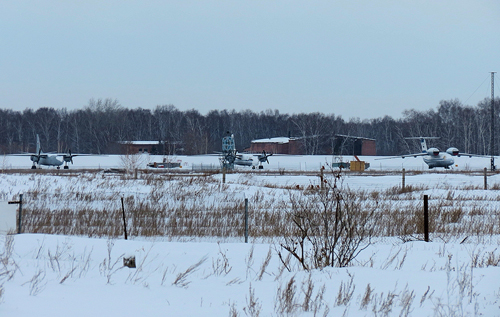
35	158
68	158
433	151
264	157
452	151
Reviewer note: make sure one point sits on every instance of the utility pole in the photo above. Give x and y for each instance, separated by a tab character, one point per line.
492	132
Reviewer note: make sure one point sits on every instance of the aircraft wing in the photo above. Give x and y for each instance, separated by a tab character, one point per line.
43	155
472	155
402	156
75	154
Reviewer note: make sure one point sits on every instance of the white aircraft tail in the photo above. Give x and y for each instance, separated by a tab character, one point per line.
423	144
38	147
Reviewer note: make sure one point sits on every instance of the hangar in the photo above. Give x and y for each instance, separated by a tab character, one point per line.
338	144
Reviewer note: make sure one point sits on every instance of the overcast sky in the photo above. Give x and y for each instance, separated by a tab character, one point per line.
363	59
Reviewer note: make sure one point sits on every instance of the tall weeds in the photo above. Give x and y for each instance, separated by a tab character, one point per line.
200	206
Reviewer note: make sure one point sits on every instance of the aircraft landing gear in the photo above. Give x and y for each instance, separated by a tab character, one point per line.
33	167
261	167
66	167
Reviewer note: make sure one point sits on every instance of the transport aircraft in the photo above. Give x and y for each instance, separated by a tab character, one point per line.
433	157
248	159
49	159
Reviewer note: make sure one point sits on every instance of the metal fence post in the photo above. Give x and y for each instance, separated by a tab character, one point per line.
485	178
19	228
426	218
124	221
246	220
403	182
322	178
20	213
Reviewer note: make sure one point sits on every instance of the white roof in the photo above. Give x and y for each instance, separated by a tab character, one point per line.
280	140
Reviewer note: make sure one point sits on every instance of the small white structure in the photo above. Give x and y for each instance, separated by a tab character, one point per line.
7	217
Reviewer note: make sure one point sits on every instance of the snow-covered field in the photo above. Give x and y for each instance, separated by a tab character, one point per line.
456	274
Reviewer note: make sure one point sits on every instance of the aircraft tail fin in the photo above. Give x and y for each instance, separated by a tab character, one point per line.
38	147
424	145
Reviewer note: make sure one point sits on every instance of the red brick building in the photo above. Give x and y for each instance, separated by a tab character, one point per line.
339	144
279	145
151	147
353	145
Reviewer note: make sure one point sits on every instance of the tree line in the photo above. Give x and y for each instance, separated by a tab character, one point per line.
100	125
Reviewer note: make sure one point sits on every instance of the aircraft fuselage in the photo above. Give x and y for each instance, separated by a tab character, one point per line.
244	161
49	160
440	160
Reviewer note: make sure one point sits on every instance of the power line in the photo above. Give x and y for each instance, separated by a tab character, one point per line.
476	89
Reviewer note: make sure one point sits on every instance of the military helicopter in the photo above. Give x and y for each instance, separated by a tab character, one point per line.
230	157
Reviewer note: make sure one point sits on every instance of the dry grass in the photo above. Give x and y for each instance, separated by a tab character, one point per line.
200	206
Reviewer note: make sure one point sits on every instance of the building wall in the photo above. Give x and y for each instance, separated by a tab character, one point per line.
296	147
275	148
369	148
133	148
139	148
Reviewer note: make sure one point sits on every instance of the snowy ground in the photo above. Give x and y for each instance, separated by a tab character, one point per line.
56	275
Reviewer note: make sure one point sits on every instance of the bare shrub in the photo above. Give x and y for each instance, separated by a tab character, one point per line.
132	162
331	226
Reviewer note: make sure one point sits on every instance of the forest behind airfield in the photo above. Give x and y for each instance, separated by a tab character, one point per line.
100	125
